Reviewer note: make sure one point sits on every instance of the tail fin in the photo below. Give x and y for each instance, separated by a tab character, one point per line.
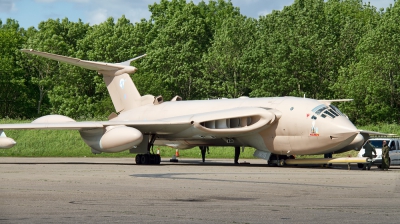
121	88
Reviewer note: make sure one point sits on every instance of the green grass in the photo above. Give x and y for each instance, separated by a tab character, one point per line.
67	143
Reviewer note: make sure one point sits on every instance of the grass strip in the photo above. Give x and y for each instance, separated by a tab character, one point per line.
67	143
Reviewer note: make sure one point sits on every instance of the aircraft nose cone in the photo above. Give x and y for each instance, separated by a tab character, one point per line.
344	134
343	129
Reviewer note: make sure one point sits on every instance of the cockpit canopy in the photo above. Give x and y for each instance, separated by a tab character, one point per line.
327	111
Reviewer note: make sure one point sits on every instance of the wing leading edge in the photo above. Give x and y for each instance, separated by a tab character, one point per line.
231	122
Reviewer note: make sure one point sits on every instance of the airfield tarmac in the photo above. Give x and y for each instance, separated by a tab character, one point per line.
115	190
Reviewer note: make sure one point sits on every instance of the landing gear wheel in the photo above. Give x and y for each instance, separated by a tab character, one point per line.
152	159
138	159
145	159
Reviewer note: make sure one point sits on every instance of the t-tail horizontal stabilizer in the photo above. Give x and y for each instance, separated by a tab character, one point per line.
121	88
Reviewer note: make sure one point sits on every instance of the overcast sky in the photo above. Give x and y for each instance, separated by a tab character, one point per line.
32	12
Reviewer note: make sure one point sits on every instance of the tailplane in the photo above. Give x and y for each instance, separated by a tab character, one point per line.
121	88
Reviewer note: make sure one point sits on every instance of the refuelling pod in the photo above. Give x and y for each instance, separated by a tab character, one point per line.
112	138
6	142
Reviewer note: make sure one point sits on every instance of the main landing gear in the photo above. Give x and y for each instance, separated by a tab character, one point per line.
149	157
278	160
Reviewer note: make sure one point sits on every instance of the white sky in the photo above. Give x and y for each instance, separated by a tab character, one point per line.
32	12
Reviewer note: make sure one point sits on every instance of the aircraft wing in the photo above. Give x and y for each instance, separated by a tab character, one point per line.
328	102
231	122
157	126
372	134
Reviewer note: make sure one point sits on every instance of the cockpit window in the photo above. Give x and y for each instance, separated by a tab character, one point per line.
324	111
333	112
329	114
337	110
319	109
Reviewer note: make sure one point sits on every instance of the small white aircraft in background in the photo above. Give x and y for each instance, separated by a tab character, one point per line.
277	127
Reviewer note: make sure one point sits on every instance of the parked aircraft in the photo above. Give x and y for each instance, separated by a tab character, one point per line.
277	127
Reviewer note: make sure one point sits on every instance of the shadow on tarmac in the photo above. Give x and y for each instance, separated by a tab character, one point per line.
210	162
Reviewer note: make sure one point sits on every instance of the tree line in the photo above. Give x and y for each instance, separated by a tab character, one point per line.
334	49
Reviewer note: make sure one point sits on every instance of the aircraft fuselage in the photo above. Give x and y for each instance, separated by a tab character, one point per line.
299	129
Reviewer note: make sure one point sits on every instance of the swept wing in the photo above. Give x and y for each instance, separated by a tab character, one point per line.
231	122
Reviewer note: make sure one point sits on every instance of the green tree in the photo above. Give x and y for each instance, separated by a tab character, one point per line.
174	57
373	79
82	93
228	68
54	36
295	46
14	88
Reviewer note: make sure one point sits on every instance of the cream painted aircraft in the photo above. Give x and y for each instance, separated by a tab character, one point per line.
277	127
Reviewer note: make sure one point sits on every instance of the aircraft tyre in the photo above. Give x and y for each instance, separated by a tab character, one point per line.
145	159
138	159
277	160
155	159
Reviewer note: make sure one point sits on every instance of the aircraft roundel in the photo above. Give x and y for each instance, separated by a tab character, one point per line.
122	83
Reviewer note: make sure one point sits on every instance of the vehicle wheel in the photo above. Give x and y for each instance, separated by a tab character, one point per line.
360	165
379	166
138	159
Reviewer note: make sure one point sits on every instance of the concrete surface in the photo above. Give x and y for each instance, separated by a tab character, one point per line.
115	190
